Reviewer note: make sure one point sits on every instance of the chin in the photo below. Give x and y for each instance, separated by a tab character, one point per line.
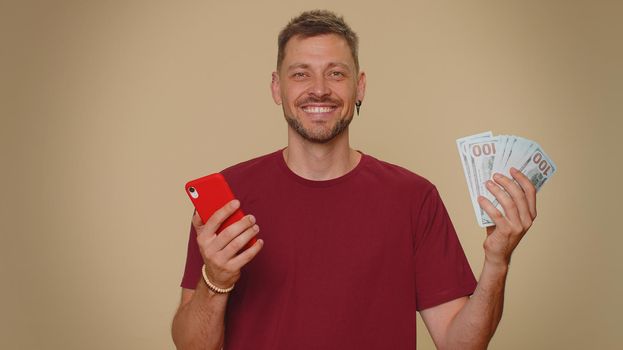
319	134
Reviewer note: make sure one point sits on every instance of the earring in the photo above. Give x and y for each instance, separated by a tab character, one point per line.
358	105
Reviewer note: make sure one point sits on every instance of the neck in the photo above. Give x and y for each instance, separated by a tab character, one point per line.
320	161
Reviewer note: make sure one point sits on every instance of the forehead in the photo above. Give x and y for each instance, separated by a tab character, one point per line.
317	49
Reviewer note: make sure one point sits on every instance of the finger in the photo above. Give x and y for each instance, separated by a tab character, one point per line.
197	222
243	258
528	188
234	246
494	214
518	196
231	232
505	200
219	216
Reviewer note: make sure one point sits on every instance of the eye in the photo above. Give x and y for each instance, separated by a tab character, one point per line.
337	74
299	75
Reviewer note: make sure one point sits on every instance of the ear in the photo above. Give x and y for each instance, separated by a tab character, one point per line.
275	88
361	86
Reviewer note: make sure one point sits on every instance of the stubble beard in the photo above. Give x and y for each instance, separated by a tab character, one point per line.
322	136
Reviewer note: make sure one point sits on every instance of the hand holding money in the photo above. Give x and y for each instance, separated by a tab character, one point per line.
484	155
517	197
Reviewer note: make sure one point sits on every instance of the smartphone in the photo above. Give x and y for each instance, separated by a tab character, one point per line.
210	193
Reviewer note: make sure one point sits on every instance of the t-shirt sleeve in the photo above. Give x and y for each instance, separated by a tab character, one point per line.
194	262
442	272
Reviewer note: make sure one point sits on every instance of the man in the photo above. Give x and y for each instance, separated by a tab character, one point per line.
354	245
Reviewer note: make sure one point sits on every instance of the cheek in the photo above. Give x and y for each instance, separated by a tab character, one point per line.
345	91
294	90
291	97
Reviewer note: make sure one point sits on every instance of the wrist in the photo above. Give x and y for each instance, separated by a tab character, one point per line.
497	265
213	287
205	293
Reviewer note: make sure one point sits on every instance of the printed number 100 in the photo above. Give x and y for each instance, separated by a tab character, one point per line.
542	164
487	149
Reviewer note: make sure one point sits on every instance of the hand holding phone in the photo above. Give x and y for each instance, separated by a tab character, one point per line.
210	193
224	255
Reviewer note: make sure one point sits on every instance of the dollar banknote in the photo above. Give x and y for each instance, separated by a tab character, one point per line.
484	155
463	147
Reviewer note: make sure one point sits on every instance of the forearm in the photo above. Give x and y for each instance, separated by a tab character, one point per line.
474	326
200	323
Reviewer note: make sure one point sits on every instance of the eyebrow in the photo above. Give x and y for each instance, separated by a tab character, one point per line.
307	66
338	64
298	65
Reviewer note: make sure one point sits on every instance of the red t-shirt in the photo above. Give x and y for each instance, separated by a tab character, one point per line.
346	262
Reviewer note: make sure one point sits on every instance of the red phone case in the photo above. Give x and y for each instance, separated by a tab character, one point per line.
210	193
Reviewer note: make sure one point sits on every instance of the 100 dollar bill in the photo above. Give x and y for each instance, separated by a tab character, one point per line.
483	155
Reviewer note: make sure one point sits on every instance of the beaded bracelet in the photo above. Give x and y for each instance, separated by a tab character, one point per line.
211	286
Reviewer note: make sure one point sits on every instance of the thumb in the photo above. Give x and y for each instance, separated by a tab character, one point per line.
490	230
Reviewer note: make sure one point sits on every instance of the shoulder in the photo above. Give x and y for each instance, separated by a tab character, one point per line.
398	177
418	193
251	166
259	172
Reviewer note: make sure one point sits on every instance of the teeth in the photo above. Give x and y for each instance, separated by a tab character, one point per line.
318	109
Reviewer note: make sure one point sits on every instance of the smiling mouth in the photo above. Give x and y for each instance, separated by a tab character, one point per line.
318	109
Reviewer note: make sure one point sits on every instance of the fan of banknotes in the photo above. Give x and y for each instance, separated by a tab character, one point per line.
484	155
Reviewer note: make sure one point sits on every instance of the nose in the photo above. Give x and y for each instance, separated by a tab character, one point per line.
319	87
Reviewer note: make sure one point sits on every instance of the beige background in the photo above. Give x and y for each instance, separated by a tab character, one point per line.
109	107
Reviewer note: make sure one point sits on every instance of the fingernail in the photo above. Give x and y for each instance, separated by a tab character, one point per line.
235	203
256	228
497	176
251	218
489	183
